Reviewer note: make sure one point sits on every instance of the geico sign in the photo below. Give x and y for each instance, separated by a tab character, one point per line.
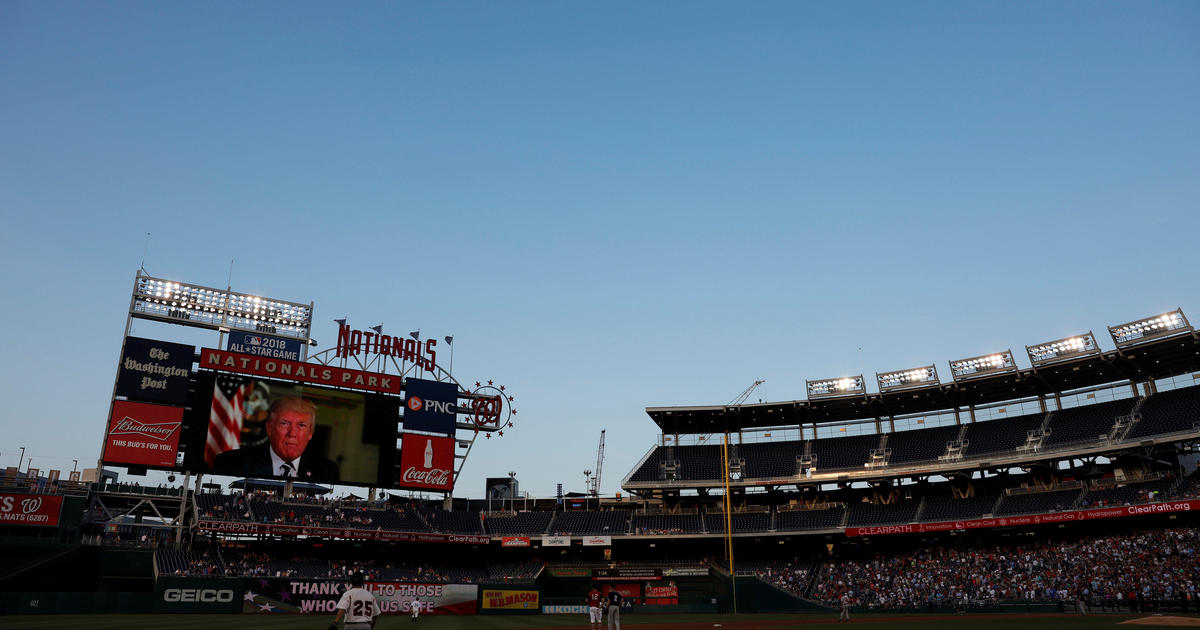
206	595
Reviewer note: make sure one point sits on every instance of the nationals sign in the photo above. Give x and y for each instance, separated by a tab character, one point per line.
296	371
30	509
142	434
426	462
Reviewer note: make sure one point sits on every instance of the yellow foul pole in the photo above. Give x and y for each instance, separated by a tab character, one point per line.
728	518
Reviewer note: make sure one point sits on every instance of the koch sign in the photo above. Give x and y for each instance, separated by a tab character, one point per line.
264	345
155	370
430	406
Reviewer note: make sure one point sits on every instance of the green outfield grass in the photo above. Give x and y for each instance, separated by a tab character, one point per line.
484	622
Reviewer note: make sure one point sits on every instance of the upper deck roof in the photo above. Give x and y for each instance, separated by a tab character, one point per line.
1161	358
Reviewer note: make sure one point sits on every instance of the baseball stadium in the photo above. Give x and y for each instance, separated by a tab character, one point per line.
1059	493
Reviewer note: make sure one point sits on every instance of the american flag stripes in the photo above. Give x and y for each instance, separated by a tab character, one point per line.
226	416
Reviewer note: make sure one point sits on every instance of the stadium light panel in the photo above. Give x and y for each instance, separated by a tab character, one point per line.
841	386
1149	328
983	365
204	307
1063	349
907	379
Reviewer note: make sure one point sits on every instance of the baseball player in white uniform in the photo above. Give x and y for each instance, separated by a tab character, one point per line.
357	606
416	608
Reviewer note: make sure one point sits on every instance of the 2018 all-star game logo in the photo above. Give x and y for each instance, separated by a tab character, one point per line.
157	430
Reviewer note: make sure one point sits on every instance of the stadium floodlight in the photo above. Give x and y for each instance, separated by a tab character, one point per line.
1149	328
841	386
907	379
1063	349
983	365
216	309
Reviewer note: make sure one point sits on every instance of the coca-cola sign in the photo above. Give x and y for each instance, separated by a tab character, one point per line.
433	476
143	434
426	462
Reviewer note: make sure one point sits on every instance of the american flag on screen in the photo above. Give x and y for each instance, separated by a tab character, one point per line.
225	417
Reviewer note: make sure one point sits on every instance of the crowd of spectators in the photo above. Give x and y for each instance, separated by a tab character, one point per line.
1102	570
657	531
790	575
261	564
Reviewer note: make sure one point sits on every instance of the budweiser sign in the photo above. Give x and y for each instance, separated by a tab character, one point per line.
426	462
142	434
130	426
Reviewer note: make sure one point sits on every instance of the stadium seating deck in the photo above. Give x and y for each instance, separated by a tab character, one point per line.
742	522
1000	436
843	452
1038	502
921	444
613	522
951	509
827	518
666	524
862	514
1088	423
1168	412
521	523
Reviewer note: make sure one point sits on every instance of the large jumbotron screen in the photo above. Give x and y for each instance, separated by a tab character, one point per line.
247	426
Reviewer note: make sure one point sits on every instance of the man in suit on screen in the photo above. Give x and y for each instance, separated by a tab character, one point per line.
291	422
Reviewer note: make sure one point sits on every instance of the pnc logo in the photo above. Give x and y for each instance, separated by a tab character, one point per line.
415	403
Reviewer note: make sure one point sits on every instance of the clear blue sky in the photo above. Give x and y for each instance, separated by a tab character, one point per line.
610	206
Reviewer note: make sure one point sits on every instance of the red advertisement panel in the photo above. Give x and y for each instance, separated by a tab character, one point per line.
514	541
143	434
630	593
1030	519
298	371
426	462
30	509
662	595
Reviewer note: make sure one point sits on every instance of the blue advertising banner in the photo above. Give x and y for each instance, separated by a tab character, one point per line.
264	345
430	406
155	371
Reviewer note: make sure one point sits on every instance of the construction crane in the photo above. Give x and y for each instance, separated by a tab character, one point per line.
741	398
594	482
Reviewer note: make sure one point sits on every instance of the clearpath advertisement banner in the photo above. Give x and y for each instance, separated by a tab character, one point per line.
30	509
278	529
1032	519
320	597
